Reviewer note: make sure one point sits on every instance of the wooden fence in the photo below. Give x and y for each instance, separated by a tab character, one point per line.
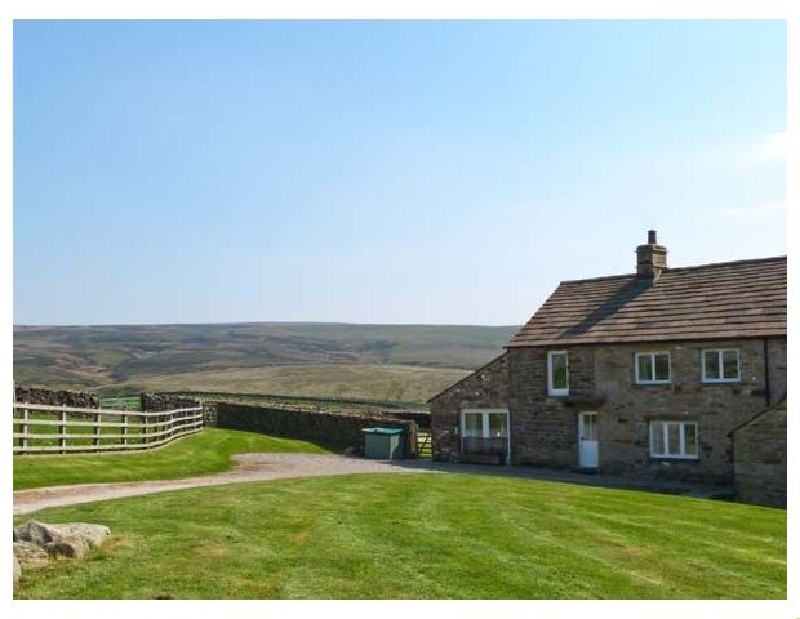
40	428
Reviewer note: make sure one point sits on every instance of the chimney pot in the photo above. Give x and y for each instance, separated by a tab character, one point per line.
651	237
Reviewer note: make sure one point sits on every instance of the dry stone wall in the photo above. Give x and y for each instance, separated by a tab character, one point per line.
283	399
334	430
165	402
82	399
40	395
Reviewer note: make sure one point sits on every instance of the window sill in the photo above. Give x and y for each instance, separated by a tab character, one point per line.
726	381
674	458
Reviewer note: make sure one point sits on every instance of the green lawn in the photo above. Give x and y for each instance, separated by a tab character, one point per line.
206	452
131	402
420	536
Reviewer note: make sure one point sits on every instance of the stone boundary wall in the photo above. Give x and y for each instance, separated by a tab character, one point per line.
82	399
296	398
421	418
210	414
41	395
334	430
165	402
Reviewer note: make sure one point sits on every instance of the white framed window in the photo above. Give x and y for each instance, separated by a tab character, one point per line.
721	365
485	431
557	373
673	439
652	368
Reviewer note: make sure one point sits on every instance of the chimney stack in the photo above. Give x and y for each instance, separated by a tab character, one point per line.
651	259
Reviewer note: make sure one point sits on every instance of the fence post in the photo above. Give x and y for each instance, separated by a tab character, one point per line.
96	433
144	421
62	430
124	430
23	440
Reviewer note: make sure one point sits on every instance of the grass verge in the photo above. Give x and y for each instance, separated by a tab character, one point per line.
420	536
203	453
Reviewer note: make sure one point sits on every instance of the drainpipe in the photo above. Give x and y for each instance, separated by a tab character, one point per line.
766	371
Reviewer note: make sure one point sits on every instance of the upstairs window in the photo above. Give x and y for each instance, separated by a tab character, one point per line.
721	365
673	439
557	373
652	368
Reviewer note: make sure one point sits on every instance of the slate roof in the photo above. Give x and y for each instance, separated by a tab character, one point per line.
726	300
779	407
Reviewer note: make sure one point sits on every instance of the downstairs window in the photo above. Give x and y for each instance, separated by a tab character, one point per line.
673	439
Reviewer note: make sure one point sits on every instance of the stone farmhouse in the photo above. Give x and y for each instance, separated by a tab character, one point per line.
641	375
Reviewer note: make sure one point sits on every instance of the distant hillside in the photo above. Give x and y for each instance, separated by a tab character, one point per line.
372	382
93	356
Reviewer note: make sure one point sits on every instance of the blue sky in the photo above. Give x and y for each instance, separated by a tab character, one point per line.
382	172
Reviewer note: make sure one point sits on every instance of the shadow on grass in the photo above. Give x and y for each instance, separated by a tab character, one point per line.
658	486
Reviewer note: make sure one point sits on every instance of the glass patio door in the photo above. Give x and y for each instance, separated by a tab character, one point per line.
485	432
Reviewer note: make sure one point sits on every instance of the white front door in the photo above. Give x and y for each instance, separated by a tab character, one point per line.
588	456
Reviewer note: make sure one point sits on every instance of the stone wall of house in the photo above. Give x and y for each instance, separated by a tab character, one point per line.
484	388
334	430
40	395
776	353
544	430
759	449
716	407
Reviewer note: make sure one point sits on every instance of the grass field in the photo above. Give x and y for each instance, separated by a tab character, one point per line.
133	403
327	403
96	356
420	536
203	453
379	382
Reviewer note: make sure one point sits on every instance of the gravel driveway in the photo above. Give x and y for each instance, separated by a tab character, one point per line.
249	467
260	467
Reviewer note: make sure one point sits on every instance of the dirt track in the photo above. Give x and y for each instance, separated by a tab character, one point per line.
261	467
249	467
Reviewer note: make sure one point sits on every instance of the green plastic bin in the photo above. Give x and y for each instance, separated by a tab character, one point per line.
383	443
